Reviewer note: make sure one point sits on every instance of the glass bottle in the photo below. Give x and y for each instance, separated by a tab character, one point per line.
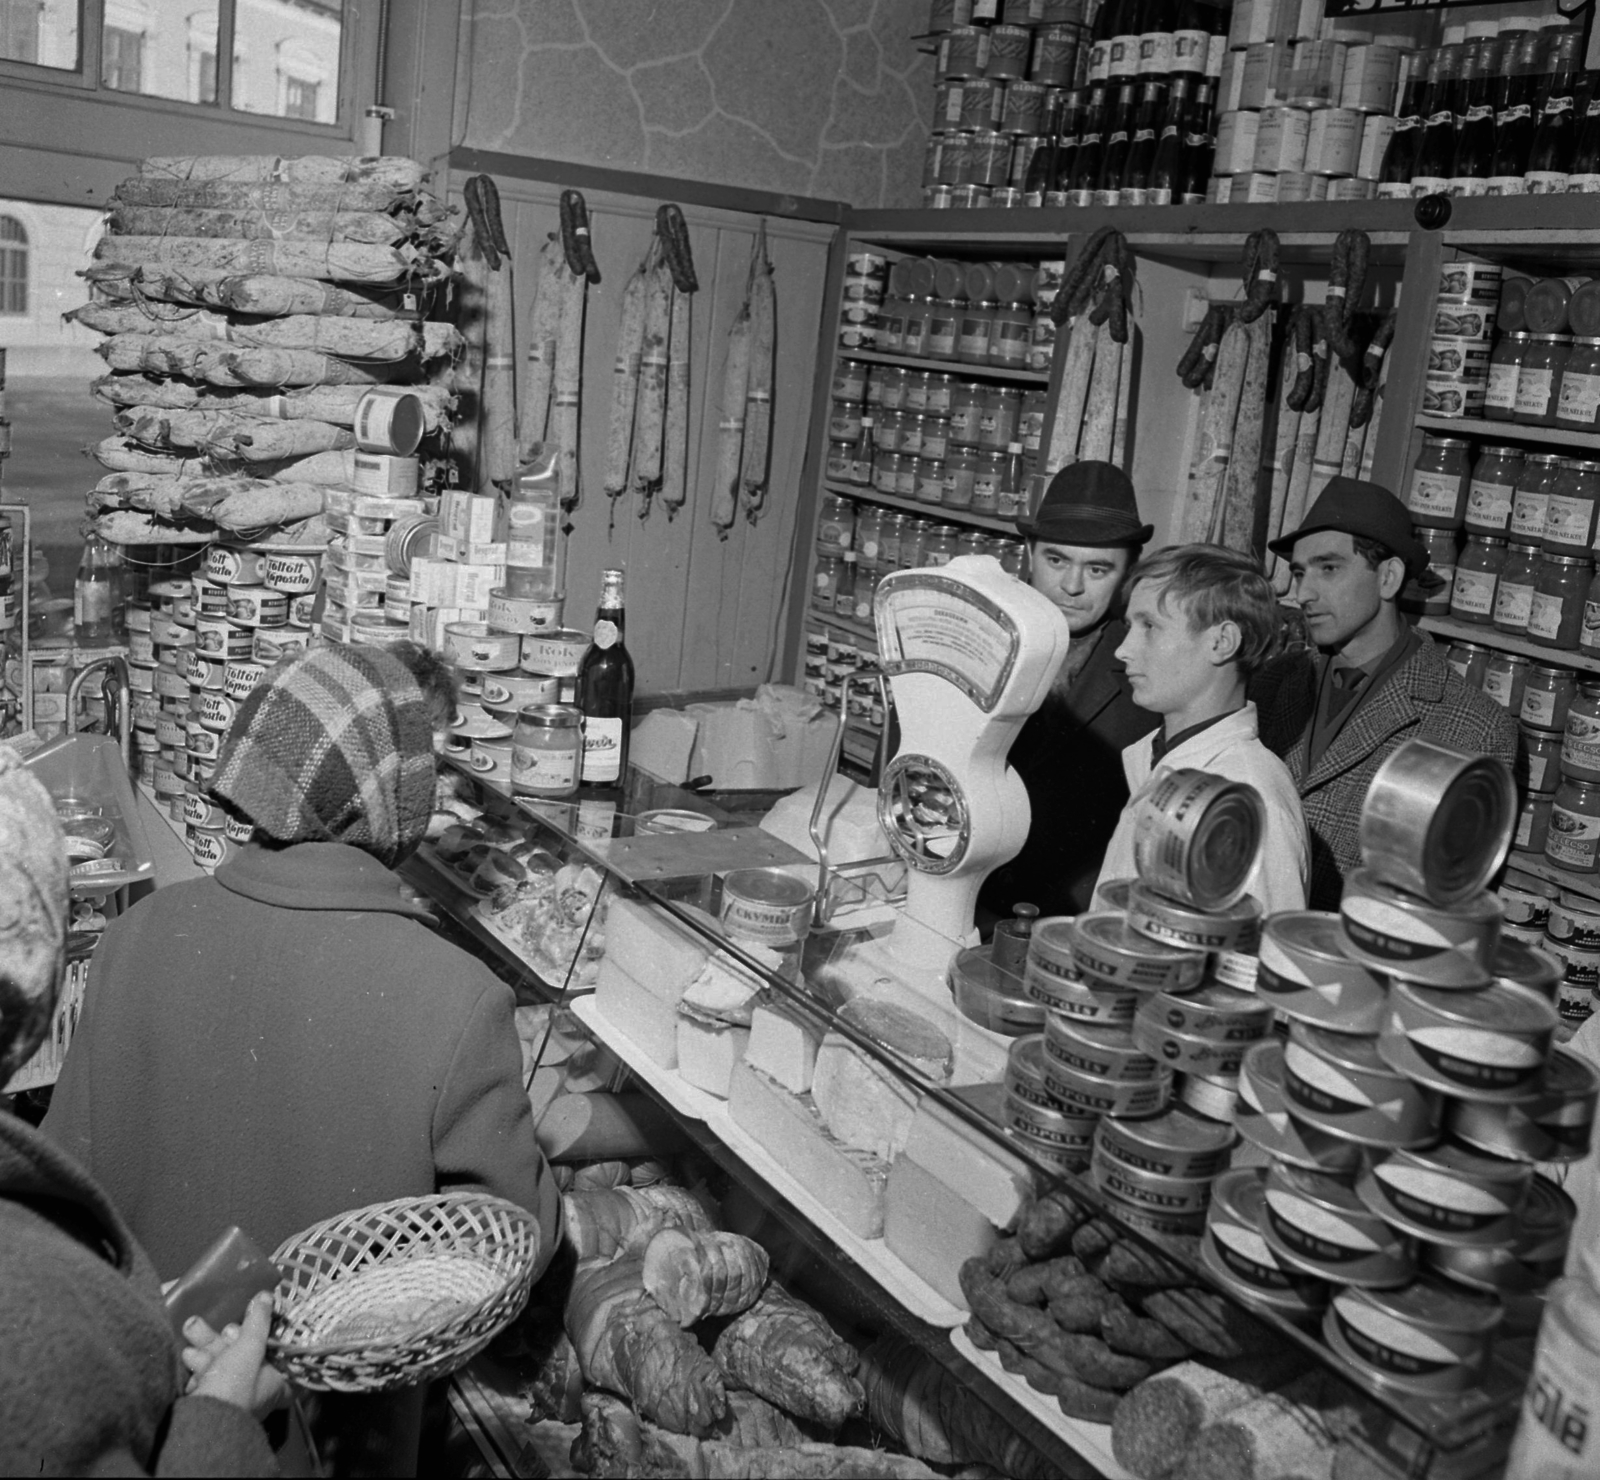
94	594
1516	95
1042	167
605	689
1165	175
1557	1437
1394	175
865	448
1189	40
1199	146
1550	156
1119	135
1584	176
1126	24
1474	152
1430	173
1100	41
844	592
1066	153
1156	39
1090	153
1134	187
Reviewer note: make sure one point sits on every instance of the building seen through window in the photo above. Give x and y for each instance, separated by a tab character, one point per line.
13	266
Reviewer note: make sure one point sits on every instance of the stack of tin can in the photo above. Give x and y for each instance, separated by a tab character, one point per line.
197	647
1462	335
1149	1011
1401	1121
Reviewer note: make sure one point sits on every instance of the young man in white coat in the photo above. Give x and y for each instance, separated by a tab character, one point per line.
1200	619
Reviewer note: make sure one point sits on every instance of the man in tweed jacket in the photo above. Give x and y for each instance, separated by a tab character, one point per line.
1335	718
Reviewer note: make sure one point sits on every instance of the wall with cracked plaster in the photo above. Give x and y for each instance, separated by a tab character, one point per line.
825	98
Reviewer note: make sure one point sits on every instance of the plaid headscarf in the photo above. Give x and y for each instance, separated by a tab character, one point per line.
33	912
335	747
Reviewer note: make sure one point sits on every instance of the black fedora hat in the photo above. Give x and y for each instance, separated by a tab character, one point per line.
1087	503
1369	510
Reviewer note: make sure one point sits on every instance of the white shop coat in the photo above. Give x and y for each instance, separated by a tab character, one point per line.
1228	748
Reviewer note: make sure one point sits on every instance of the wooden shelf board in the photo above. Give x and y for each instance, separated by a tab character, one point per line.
937	512
1511	431
1504	642
1588	885
947	367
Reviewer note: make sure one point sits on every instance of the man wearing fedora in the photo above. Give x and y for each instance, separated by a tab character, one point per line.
1376	680
1082	541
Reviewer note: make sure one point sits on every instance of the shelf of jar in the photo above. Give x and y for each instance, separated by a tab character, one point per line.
916	506
1588	885
862	631
1490	637
947	367
1510	431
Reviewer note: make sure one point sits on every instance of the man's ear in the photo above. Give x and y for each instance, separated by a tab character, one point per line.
1226	640
1391	577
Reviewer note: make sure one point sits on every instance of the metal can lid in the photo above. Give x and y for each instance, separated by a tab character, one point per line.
1025	1067
1153	914
549	717
1106	941
1304	946
1430	1304
1148	1189
1050	1122
1454	1159
1547	1219
1568	1076
1261	1078
1179	1130
1095	1047
1210	1001
1051	942
1502	1005
1357	1051
1525	966
765	885
1332	1194
1212	1097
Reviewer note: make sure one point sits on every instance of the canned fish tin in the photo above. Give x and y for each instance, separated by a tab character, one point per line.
1391	931
217	637
1437	823
1212	1011
202	811
1317	1224
1173	1196
1473	282
524	614
1457	320
514	690
1103	1096
272	643
227	566
1237	928
1106	1051
1448	1194
1069	996
257	606
204	673
1338	1083
1197	836
1574	921
1059	1130
1529	1264
1430	1337
1178	1144
241	677
1263	1118
217	711
1025	1072
1188	1053
210	598
297	575
200	741
767	905
1553	1124
1236	969
473	646
1305	976
1237	1253
390	419
1488	1044
1107	951
556	652
142	677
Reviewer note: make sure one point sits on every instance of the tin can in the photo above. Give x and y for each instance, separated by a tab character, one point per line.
296	575
1430	1337
767	905
1106	951
1262	1118
556	653
1391	931
385	474
256	606
1306	977
390	419
1236	969
1102	1096
1215	1098
1055	1130
1472	282
1211	1011
1574	921
216	711
273	643
1187	1053
240	677
525	614
208	847
1197	836
1237	928
1173	1196
476	647
170	683
217	637
1317	1224
1178	1144
1338	1083
1024	1079
169	731
1529	1263
1553	1124
1105	1050
1072	997
228	566
1437	823
204	673
210	599
516	690
1488	1044
238	831
1448	1194
1237	1254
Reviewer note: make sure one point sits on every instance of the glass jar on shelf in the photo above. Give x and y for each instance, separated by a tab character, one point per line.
940	546
844	421
997	421
1533	823
865	588
944	327
918	311
836	525
941	392
1589	637
1013	557
935	435
1433	601
977	328
891	527
1569	519
1470	661
1490	487
960	477
849	380
1009	334
1578	398
1574	839
893	382
916	395
1531	499
986	481
868	537
912	538
932	480
1437	495
892	326
840	463
966	414
1538	758
1505	678
825	582
1556	615
1505	365
1538	377
1549	694
1477	573
1580	740
1513	597
912	424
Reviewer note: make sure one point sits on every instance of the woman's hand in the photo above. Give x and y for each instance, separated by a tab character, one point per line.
231	1365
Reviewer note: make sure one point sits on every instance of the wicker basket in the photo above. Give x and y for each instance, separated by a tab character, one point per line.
401	1292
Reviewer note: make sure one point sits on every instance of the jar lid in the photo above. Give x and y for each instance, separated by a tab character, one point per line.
1501	450
1439	441
1471	647
1554	338
1543	457
550	716
1533	549
1585	339
1486	539
1566	560
1554	668
1587	464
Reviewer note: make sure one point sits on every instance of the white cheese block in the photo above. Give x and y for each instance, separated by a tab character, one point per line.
905	1032
849	1183
861	1102
989	1177
707	1052
727	989
783	1047
648	1020
933	1229
662	743
658	954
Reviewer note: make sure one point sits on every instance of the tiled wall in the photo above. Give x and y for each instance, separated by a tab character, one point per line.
808	97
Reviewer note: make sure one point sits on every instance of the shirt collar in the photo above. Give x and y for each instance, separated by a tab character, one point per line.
316	876
1161	746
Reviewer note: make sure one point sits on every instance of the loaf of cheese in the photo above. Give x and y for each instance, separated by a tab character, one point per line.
708	1049
784	1047
850	1183
660	955
932	1228
995	1182
726	988
650	1021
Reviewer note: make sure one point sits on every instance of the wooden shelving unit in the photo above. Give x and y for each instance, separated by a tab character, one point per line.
939	513
1491	637
1511	431
1039	378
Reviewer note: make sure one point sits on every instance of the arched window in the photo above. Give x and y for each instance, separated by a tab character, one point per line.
13	266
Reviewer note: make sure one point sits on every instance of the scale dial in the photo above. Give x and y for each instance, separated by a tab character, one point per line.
923	812
929	623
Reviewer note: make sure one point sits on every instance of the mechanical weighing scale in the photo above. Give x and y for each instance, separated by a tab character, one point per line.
969	652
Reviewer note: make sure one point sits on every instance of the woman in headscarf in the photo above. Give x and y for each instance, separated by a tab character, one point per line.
91	1380
288	1039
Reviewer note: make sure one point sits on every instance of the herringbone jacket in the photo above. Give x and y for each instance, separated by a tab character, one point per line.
1423	699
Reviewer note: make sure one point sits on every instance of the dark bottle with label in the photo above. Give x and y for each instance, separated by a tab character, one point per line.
1119	136
1394	175
1199	147
1555	138
1100	41
1087	158
1164	182
1142	146
605	690
1584	177
1156	28
1045	161
1190	39
1516	100
1469	173
1126	24
1071	131
1430	174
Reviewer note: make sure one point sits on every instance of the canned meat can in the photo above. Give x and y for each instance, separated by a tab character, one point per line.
1428	1338
1553	1124
1108	952
1305	975
1317	1224
476	647
1262	1118
1437	823
1197	836
1487	1044
1527	966
1237	1253
1237	928
1392	931
297	575
1527	1265
390	419
767	905
1178	1144
1574	921
256	606
1448	1194
1338	1083
228	566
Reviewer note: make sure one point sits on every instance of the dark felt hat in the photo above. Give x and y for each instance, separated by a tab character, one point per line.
1087	503
1366	509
